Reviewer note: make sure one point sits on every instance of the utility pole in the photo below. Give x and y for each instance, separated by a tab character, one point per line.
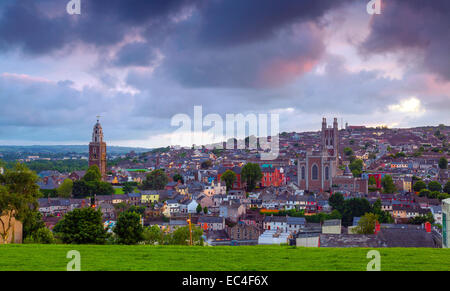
190	230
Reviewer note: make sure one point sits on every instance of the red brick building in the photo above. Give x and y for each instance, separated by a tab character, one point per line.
97	149
272	176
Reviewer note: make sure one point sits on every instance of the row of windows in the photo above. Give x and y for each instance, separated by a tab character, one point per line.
315	173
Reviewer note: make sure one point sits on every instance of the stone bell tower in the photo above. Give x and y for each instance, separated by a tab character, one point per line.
97	149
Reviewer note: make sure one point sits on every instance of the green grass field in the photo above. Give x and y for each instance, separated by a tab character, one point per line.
242	258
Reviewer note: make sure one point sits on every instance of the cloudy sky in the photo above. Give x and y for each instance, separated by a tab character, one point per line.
138	63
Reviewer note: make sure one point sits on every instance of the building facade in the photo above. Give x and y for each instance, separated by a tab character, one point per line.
97	149
445	222
317	169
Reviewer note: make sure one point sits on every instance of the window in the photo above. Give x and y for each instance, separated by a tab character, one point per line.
315	172
327	174
303	173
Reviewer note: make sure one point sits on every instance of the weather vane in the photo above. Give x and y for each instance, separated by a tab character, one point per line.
98	118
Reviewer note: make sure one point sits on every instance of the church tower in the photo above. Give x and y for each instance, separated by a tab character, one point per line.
97	149
330	138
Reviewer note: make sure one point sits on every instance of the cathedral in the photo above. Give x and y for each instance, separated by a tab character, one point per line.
97	149
318	171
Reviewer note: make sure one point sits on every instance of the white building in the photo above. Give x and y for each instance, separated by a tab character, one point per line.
445	222
272	237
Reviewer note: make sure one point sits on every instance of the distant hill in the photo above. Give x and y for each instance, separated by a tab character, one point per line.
61	149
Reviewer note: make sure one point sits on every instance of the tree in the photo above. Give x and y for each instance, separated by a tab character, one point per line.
18	194
366	224
434	186
42	236
348	151
80	189
155	180
178	178
83	188
181	236
127	188
354	207
356	166
424	193
205	210
383	216
65	189
129	229
101	188
229	177
434	194
422	219
198	209
388	184
443	163
251	174
447	187
153	235
336	201
82	226
419	185
92	174
32	222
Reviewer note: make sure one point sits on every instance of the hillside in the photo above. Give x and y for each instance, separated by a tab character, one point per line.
58	149
242	258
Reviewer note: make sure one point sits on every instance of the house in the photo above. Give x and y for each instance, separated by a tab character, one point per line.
108	211
211	223
437	213
119	198
77	175
134	198
205	201
188	206
272	176
445	223
237	170
149	196
332	226
171	207
284	223
231	210
242	231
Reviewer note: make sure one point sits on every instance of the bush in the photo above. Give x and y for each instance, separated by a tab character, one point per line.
129	229
82	226
42	236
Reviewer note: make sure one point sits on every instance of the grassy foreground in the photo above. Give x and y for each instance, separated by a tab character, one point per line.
226	258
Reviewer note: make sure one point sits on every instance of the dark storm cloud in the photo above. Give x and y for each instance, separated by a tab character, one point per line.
42	26
414	25
232	22
136	54
289	53
23	24
39	27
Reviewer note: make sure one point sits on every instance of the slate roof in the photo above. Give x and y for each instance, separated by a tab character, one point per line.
210	219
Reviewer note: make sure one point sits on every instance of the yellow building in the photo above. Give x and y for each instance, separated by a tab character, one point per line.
407	185
149	197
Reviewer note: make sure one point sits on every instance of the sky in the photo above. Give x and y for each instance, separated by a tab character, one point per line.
140	63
